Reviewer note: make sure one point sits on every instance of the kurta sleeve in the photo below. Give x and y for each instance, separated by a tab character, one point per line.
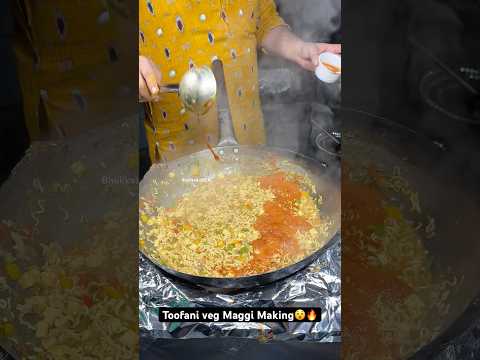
268	19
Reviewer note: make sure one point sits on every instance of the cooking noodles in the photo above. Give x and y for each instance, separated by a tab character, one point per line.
237	225
71	306
233	220
390	273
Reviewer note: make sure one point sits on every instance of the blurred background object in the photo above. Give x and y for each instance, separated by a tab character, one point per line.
398	62
13	134
443	87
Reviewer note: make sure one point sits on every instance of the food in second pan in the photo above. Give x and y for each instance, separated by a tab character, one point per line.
391	276
236	226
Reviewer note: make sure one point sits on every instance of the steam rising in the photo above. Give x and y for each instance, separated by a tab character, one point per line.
295	103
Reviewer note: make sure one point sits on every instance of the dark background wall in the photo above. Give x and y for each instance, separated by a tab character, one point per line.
13	135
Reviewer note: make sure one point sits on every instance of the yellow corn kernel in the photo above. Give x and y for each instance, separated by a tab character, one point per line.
7	329
112	293
393	212
144	218
195	170
66	283
78	168
12	270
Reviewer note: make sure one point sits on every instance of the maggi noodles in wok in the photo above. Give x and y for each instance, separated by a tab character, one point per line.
255	216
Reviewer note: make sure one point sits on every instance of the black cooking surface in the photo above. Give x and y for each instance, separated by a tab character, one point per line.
236	349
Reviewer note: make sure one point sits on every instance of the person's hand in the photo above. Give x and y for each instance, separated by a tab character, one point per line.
307	55
149	78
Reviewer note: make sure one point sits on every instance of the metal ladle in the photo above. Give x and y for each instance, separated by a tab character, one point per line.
197	89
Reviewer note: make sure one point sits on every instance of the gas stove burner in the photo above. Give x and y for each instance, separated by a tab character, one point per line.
337	135
448	97
329	141
472	74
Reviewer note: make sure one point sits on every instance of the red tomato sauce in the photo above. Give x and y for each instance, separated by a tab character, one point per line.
277	226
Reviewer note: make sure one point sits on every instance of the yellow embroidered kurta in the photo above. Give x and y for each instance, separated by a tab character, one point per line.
71	60
178	34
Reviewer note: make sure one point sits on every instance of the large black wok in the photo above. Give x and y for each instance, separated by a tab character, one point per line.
448	193
160	188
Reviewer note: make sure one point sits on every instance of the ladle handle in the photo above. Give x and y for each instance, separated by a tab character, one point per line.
227	132
170	88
